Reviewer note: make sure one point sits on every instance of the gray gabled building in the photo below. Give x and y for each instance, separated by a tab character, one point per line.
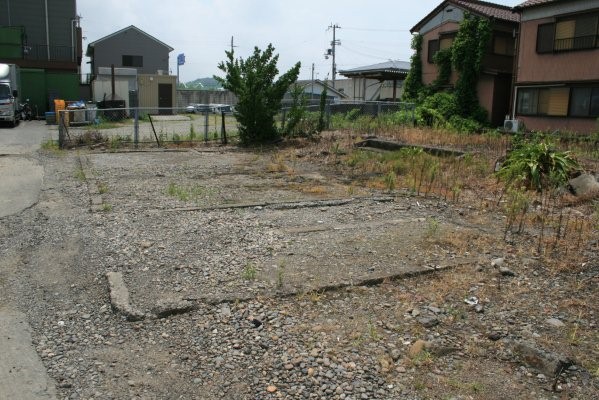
130	48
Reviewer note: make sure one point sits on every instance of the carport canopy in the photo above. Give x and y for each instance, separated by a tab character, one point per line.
392	70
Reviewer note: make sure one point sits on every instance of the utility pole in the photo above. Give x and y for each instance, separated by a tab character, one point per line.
312	89
331	51
232	46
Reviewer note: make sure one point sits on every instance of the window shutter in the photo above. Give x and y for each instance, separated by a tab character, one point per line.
558	102
545	41
445	43
564	34
543	107
585	32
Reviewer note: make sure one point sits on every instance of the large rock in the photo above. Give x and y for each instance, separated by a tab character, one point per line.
548	363
584	184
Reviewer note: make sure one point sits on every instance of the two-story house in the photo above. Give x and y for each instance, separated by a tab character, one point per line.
141	63
557	79
130	48
439	28
44	39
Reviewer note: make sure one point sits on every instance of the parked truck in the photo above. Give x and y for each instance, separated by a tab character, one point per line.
9	93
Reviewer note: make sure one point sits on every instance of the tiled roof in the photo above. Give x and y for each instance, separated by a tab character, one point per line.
489	9
482	8
533	3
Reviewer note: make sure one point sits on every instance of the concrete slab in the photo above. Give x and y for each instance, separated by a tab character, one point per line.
22	374
20	180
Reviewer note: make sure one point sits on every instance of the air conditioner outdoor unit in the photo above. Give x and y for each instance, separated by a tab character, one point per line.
511	125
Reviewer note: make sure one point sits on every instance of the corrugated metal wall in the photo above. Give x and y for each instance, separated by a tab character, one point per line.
42	87
33	87
31	14
189	96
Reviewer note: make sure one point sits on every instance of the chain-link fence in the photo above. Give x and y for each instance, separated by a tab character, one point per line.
116	127
356	109
130	126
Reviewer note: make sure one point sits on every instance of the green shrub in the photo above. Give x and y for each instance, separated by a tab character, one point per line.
296	112
352	114
537	165
259	87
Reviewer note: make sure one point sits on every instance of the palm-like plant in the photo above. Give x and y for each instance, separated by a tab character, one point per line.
538	165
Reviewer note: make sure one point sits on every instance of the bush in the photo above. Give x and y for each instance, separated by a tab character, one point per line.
440	110
259	93
537	165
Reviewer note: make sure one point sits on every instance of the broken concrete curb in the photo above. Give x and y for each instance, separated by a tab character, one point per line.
119	297
548	363
166	308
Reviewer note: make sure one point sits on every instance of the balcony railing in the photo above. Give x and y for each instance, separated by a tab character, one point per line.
576	43
48	53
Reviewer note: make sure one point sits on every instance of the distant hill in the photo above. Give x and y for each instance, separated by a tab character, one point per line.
203	84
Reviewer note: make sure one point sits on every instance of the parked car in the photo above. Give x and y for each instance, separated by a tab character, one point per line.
197	108
219	108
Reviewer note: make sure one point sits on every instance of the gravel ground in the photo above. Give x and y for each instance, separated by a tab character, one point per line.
276	282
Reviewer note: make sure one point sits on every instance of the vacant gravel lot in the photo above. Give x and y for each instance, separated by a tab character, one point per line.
278	278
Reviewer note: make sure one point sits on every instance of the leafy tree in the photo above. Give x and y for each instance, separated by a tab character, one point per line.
297	111
413	83
258	91
468	51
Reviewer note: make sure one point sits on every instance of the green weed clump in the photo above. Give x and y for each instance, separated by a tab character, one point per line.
50	145
249	272
537	164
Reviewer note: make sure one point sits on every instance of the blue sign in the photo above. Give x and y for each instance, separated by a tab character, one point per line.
181	59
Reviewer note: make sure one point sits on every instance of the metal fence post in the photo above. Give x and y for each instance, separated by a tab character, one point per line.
60	129
206	122
223	131
136	126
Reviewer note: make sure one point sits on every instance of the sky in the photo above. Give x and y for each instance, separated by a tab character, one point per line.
369	33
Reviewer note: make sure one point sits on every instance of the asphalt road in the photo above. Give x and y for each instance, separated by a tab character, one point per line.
22	373
21	175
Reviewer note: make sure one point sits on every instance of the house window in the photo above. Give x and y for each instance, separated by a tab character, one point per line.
543	101
573	33
433	48
545	38
445	42
528	101
503	45
559	101
584	102
133	61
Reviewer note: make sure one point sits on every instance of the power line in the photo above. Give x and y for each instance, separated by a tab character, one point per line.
376	29
363	54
